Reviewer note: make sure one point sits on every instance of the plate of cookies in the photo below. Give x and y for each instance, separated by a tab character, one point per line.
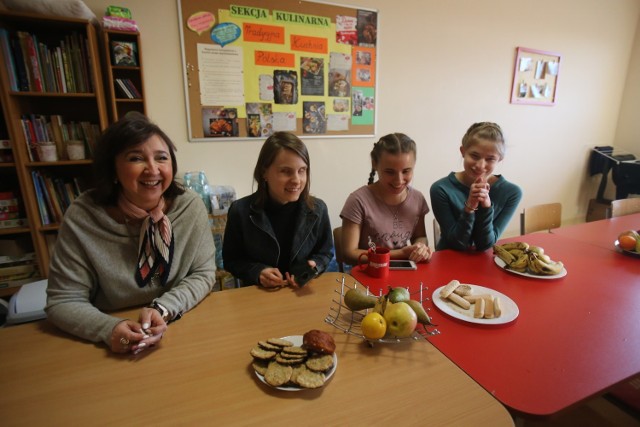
295	362
475	304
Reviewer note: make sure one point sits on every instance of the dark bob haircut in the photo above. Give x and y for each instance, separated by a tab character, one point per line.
131	130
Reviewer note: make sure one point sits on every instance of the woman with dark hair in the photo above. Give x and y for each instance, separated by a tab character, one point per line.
388	212
279	235
136	239
474	206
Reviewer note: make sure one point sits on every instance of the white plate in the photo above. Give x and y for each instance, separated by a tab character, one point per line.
509	308
500	263
626	252
297	340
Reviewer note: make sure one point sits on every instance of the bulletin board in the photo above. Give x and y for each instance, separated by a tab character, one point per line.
535	77
253	67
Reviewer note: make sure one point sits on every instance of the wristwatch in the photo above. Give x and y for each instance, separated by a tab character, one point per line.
164	313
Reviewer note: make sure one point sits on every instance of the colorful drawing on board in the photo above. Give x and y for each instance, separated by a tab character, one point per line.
346	32
220	121
314	120
285	86
312	75
225	33
201	21
367	28
259	119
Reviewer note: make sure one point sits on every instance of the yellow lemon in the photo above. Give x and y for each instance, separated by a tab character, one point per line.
373	326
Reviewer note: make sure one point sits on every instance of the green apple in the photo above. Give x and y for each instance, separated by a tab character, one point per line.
398	294
401	319
638	244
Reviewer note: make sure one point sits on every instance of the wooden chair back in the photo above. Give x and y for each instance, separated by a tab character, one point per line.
625	206
337	244
540	217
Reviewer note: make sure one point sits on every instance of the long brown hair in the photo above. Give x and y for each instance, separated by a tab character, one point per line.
272	146
394	143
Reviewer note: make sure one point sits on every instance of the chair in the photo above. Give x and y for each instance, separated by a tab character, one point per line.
624	207
436	232
337	243
540	217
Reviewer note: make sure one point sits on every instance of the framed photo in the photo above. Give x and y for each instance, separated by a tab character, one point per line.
124	53
535	77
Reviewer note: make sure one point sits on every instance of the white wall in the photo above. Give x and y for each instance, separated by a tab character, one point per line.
443	65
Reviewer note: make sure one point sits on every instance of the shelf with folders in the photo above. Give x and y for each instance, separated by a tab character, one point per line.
54	124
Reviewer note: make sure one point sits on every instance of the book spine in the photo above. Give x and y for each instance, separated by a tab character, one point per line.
8	59
9	215
24	82
42	207
9	209
66	61
32	53
47	199
61	71
12	223
53	199
9	202
25	65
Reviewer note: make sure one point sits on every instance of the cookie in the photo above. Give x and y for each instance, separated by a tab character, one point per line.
463	290
310	379
268	346
320	363
295	350
260	366
280	342
277	374
284	361
262	354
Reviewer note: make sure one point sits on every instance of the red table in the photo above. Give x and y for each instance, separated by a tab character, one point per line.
575	337
601	233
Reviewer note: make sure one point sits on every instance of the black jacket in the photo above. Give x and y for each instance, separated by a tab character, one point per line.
250	244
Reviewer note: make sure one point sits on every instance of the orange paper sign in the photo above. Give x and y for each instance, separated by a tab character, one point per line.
263	33
309	44
274	59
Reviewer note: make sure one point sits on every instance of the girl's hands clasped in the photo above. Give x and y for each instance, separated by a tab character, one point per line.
479	194
417	252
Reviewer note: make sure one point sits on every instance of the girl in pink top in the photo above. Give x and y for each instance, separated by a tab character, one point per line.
388	211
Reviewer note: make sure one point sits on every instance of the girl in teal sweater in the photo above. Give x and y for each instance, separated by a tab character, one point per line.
474	206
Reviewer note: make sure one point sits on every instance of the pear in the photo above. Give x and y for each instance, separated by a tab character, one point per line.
423	317
398	295
357	300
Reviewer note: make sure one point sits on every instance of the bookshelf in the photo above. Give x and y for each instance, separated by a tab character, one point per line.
67	107
123	80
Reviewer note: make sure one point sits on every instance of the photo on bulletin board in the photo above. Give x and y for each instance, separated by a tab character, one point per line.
535	77
261	66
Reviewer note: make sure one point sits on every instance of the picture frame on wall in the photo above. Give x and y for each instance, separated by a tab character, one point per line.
124	53
535	77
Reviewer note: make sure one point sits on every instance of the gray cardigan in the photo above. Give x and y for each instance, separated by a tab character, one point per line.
94	261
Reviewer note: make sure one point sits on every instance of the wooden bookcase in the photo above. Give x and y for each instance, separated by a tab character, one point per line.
118	101
88	106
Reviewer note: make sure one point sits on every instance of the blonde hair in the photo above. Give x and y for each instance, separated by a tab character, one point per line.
485	130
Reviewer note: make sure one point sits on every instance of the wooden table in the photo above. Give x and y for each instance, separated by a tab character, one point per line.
601	233
201	374
575	337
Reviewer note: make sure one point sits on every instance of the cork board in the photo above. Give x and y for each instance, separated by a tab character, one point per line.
258	66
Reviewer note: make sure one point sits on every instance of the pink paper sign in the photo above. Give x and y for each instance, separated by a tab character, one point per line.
201	22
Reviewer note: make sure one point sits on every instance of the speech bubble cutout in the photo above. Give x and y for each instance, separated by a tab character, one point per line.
225	33
201	22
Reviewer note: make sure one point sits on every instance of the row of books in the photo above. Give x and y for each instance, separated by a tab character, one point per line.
54	195
33	66
39	128
127	89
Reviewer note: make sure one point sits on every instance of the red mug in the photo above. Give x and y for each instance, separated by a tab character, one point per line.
378	264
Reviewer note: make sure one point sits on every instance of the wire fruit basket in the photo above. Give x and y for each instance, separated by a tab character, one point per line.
348	321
